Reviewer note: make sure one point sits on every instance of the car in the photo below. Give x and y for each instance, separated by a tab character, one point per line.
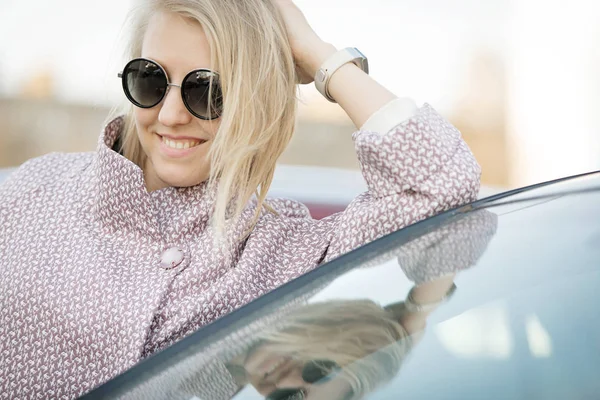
496	299
4	173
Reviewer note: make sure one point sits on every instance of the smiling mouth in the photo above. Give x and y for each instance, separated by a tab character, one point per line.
181	144
275	367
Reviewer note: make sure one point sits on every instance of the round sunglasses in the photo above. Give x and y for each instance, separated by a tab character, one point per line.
145	83
314	372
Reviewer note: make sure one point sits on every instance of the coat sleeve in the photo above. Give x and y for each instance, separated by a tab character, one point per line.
420	168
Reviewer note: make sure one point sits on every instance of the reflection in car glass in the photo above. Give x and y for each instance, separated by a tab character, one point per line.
336	348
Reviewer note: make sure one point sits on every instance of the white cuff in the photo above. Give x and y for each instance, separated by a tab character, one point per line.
390	115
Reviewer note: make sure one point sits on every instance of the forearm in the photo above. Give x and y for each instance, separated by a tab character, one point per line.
426	293
356	92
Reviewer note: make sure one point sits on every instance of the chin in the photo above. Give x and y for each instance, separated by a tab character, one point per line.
179	176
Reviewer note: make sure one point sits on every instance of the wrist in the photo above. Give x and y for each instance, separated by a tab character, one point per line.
419	300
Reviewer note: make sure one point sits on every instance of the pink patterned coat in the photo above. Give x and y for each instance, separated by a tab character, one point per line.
85	292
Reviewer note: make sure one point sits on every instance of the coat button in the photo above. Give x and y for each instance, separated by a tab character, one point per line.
172	258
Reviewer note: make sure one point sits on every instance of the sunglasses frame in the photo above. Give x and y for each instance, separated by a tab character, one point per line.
332	368
122	76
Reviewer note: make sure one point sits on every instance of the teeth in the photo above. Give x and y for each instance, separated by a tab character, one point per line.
180	144
274	367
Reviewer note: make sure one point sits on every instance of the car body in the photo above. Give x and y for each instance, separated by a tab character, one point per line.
5	172
520	320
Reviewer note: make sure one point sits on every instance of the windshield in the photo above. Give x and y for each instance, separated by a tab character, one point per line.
494	300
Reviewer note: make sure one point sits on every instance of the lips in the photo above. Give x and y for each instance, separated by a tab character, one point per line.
180	142
275	366
175	147
282	370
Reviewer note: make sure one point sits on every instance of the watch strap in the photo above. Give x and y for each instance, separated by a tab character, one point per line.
413	306
335	62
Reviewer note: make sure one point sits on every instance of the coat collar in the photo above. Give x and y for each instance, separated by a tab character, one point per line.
123	204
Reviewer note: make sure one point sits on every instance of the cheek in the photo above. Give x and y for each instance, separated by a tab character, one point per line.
210	127
145	117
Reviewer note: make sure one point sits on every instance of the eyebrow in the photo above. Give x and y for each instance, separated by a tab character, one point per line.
162	64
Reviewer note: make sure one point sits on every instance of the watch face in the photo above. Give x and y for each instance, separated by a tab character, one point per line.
360	59
321	75
360	54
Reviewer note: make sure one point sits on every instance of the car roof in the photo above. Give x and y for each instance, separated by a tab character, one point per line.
541	212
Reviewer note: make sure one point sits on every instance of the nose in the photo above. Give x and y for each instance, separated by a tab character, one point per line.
172	110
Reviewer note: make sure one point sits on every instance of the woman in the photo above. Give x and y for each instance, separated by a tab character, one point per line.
112	255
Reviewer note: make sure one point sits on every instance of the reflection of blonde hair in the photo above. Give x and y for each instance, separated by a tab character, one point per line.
251	52
359	335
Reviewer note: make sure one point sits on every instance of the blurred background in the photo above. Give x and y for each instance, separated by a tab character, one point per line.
520	79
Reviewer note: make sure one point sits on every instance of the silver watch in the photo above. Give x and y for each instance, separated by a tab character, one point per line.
335	62
414	307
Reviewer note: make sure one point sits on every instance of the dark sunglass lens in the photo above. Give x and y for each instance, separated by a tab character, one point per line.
319	371
198	97
146	83
286	394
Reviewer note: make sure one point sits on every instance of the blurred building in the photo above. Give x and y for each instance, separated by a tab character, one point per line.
323	136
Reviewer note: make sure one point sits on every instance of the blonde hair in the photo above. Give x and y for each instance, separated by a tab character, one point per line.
251	52
365	339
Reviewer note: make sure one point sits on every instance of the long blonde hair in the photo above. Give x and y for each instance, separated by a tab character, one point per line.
363	338
251	52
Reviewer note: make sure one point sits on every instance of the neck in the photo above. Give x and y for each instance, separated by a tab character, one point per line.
151	178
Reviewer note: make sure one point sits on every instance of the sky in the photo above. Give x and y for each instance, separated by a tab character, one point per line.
416	48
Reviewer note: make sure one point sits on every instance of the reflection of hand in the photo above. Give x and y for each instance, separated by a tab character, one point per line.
421	301
451	248
429	295
432	261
